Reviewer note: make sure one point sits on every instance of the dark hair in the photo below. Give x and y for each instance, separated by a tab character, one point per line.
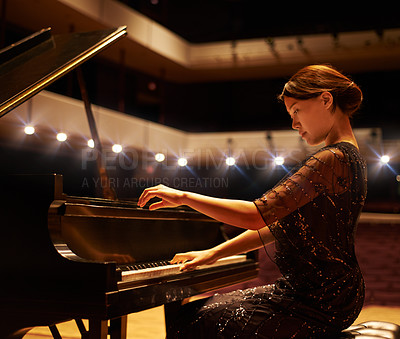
311	81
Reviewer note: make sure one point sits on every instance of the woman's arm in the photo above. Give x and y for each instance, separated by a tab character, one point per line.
238	213
245	242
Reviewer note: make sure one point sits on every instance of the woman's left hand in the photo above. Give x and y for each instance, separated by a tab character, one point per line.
190	260
170	197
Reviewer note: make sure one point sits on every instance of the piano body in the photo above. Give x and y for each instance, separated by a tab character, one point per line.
65	257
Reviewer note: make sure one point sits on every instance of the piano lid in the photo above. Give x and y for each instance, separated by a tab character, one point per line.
33	63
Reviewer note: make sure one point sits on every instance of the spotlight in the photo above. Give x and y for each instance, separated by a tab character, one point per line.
230	161
90	143
279	161
160	157
385	159
62	137
182	162
29	130
116	148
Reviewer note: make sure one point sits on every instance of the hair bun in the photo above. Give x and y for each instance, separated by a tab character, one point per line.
310	81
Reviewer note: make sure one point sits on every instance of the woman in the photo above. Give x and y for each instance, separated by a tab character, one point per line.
311	215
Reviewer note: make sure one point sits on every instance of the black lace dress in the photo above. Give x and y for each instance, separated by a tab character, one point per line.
312	213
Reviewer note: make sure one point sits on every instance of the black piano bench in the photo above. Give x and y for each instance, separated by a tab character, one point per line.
372	330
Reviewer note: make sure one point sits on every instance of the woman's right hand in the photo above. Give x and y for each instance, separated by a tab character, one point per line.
170	197
190	260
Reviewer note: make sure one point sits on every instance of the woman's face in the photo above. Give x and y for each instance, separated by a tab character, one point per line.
313	118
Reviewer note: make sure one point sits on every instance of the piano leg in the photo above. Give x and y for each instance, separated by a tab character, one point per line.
118	327
170	313
99	329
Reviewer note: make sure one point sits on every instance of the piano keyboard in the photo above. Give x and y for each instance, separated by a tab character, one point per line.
164	268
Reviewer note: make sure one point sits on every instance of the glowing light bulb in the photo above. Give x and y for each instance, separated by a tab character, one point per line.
29	130
160	157
116	148
230	161
385	159
182	162
279	161
62	137
90	143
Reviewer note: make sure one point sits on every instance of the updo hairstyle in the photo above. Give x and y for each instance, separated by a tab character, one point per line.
310	81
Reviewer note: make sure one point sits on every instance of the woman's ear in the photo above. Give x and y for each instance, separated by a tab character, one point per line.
327	100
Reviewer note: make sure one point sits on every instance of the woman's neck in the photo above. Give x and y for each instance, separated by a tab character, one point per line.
341	131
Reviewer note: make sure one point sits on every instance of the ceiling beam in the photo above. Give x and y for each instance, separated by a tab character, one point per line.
153	49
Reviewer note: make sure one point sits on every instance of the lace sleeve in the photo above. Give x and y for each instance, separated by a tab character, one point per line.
326	172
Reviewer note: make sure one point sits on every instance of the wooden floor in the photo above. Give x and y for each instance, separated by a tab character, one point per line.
149	324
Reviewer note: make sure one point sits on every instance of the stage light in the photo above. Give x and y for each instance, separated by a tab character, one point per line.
90	143
117	148
279	161
230	161
182	162
62	137
160	157
29	130
385	159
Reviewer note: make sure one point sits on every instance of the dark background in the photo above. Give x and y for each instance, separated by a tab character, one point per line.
241	105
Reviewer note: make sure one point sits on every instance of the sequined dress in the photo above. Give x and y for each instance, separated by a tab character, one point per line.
312	213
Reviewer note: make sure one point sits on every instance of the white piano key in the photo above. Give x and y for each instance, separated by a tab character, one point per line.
161	271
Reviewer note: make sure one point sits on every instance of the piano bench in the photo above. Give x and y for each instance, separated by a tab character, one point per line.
372	330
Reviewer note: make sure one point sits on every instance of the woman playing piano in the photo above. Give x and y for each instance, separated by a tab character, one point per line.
311	215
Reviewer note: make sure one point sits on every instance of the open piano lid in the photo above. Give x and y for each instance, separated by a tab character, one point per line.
33	63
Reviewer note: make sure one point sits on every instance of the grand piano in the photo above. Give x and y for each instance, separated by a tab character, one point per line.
97	258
